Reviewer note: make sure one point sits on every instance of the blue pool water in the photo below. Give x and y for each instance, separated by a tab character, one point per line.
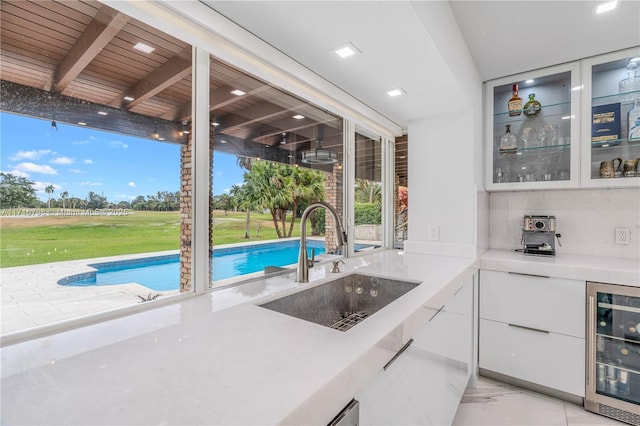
162	273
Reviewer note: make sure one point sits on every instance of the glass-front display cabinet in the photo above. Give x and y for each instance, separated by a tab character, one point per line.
611	120
532	129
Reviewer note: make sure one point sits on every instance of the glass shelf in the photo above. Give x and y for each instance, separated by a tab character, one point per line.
616	96
549	148
615	143
523	117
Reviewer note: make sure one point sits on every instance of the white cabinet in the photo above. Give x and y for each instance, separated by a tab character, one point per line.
603	91
532	328
547	153
424	383
582	125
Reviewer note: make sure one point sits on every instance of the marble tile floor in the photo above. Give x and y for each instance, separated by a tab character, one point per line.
495	403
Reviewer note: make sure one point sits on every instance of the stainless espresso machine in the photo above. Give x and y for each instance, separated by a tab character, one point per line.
539	235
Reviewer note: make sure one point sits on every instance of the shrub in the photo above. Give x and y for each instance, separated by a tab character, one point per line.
367	214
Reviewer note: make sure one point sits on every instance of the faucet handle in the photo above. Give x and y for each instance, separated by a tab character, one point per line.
336	265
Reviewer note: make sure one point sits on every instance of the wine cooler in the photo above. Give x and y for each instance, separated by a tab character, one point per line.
613	352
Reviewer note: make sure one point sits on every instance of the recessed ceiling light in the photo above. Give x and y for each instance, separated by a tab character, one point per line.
223	141
214	124
298	117
238	92
346	51
530	81
636	59
102	113
606	7
128	98
576	88
144	47
82	123
395	92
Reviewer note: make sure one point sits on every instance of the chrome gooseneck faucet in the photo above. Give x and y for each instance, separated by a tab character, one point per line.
303	260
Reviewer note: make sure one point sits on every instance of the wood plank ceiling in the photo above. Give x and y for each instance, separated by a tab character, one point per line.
75	61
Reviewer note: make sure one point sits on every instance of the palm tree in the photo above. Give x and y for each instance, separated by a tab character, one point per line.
246	163
268	186
64	195
306	185
49	190
368	191
242	200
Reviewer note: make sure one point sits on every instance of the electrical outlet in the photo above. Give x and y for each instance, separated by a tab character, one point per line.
434	233
622	235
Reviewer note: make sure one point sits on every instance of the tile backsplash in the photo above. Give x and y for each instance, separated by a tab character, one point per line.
586	218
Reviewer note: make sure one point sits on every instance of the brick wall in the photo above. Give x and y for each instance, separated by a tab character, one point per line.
186	214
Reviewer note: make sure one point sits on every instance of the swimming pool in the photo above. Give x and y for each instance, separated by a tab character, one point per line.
162	273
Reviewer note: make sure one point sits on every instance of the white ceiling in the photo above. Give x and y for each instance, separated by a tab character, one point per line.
503	37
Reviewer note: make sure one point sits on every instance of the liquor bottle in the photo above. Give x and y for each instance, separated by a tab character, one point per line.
634	120
515	103
508	141
532	107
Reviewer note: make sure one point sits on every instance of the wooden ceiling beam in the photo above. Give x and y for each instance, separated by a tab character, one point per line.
95	37
169	73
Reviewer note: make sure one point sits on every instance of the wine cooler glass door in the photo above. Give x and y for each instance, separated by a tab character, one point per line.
617	345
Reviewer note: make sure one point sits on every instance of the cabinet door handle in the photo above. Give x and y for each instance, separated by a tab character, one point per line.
591	350
437	312
529	328
529	275
392	360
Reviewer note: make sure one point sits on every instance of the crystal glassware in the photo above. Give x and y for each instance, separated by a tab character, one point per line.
526	135
630	86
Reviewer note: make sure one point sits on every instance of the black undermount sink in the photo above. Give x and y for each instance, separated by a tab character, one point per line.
343	302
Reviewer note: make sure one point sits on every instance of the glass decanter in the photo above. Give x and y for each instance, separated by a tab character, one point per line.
508	141
532	107
630	86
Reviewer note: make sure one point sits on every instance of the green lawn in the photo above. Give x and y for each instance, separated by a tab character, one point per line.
30	241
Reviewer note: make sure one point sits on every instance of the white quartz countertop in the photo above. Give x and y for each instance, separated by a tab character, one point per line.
201	362
611	270
221	359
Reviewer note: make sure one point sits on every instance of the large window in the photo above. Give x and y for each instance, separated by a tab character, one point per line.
96	173
273	156
107	189
369	193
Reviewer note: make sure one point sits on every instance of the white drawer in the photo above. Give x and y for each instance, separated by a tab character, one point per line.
548	359
551	304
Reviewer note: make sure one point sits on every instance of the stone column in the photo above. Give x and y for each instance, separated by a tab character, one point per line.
334	188
185	217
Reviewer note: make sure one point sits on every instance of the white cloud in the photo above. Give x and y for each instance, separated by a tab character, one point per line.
40	187
118	144
28	167
90	183
30	155
78	171
132	184
16	173
227	190
62	160
87	161
80	142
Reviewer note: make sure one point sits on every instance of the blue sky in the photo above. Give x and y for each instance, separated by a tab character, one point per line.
79	160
